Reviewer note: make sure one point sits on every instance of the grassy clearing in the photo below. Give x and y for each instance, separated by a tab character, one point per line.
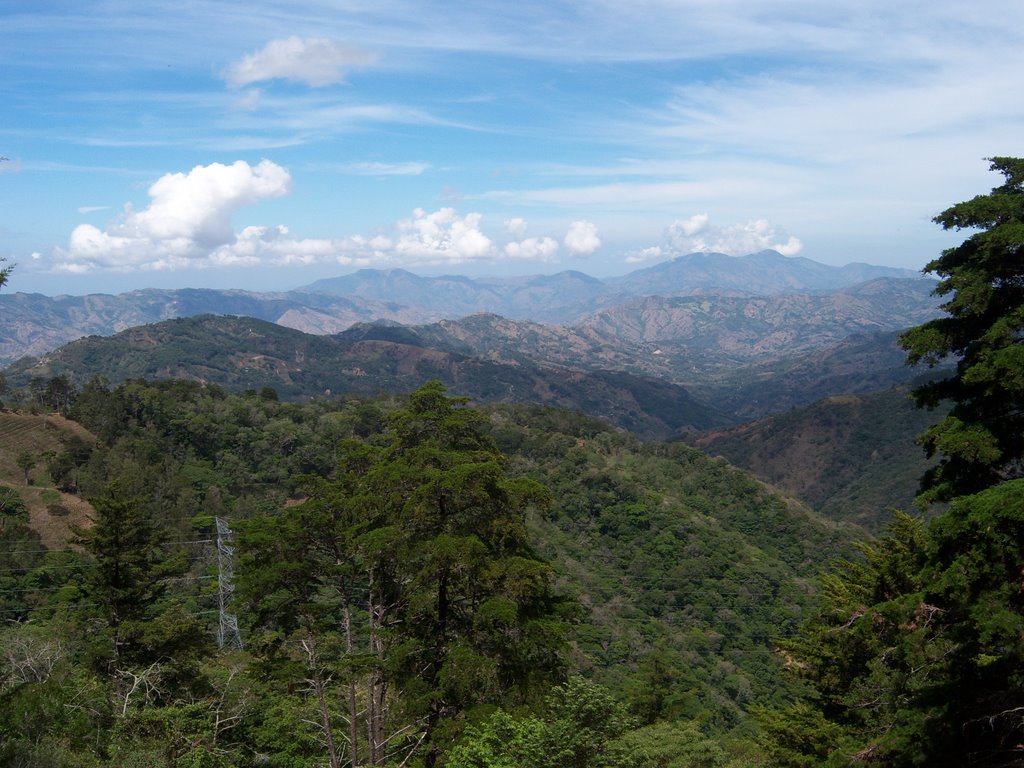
51	513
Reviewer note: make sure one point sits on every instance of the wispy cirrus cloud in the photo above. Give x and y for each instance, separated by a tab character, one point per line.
387	169
314	61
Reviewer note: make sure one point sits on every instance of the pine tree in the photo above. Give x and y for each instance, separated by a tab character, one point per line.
421	537
982	439
140	632
915	657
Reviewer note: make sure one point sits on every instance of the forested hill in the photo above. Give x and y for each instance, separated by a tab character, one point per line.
670	577
851	457
241	353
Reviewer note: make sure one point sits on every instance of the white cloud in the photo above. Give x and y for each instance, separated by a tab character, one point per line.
645	254
188	224
315	61
442	236
388	169
84	209
695	234
189	216
198	205
691	226
582	239
533	248
516	227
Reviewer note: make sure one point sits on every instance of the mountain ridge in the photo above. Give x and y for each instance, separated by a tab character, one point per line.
35	324
247	353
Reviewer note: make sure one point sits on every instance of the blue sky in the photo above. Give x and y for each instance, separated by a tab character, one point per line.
265	144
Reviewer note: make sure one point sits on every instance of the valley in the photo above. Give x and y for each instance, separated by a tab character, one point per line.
671	471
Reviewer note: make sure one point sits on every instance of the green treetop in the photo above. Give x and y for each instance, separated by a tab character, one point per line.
982	439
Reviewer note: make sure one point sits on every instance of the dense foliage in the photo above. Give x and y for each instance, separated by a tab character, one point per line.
404	567
981	441
916	653
688	570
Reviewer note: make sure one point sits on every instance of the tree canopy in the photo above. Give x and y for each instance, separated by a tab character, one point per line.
982	439
915	654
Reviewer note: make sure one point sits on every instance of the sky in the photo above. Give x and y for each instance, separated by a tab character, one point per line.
266	144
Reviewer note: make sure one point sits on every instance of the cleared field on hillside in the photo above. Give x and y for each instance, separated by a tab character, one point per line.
52	513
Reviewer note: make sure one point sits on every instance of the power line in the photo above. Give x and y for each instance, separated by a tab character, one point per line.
82	551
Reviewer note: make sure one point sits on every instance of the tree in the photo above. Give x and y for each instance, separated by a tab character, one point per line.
421	537
5	272
479	620
982	439
915	655
141	637
25	461
578	729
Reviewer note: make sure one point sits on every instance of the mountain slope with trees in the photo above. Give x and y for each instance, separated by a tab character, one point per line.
244	353
36	324
915	655
662	574
851	457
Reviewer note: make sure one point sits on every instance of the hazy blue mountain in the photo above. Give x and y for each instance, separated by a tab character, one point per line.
764	274
545	298
34	324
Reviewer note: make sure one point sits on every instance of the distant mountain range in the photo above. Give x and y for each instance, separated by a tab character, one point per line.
34	324
697	355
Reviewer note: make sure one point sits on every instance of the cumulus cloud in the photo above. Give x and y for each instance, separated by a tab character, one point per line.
645	254
189	216
696	234
442	236
315	61
691	226
188	224
516	227
582	239
532	248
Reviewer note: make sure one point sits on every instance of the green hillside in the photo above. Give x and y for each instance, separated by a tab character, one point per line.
244	353
675	574
688	569
853	458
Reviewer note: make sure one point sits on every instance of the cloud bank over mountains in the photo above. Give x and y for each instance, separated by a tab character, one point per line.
189	224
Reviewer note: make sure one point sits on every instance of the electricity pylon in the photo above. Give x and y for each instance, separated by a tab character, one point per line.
227	632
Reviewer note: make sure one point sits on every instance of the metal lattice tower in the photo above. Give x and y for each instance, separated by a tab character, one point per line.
227	632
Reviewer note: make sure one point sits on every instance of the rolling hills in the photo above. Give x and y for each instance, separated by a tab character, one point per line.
246	353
